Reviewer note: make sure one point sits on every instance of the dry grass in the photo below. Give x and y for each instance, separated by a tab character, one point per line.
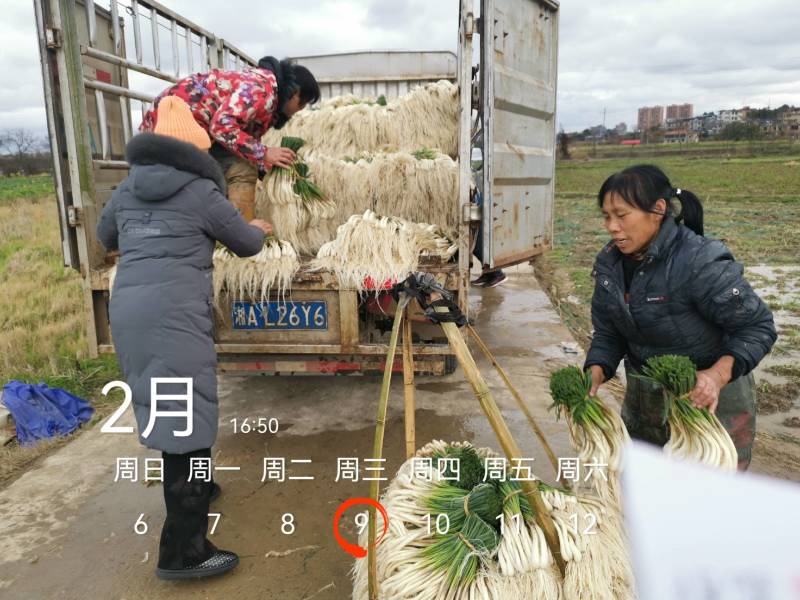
41	317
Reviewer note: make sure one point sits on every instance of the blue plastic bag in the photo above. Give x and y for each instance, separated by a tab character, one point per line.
42	412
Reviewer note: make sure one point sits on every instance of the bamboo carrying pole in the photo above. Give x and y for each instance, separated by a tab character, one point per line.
534	425
504	435
377	452
408	387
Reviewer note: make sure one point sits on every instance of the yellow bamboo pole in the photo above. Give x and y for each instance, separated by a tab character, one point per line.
534	425
377	453
503	433
408	388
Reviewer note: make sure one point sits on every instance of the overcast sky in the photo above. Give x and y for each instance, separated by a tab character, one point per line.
616	55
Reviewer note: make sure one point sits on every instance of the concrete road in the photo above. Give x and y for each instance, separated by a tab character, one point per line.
67	528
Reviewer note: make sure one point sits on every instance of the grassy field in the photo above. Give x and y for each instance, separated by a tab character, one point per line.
41	309
14	188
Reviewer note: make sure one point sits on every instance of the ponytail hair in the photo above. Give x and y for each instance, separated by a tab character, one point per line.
643	185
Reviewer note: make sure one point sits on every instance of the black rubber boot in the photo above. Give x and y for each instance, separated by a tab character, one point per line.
184	550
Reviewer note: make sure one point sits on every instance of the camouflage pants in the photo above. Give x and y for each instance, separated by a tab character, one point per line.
645	413
241	177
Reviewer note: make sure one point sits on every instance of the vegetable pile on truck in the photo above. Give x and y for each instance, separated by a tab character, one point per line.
492	123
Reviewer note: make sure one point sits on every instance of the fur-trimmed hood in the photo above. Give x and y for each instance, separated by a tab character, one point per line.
162	165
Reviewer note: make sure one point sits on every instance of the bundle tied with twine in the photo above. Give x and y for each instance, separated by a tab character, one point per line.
254	277
372	249
298	210
695	433
477	558
420	186
426	117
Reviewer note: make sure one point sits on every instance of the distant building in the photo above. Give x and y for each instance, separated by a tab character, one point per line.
733	115
675	123
680	111
621	128
650	116
789	123
675	136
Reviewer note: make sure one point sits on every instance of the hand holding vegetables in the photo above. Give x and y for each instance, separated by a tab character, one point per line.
598	378
706	392
262	225
280	157
709	383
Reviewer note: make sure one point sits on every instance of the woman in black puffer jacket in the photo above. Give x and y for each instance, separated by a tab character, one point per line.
663	288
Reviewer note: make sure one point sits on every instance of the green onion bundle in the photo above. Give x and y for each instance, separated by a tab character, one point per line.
597	432
483	500
299	172
298	210
514	501
459	553
695	433
471	471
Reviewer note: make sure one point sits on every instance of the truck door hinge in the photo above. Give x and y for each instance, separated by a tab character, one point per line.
469	27
52	37
471	213
74	216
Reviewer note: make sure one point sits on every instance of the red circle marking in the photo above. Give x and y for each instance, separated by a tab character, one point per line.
354	549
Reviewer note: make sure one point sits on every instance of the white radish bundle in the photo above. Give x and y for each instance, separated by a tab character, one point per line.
426	117
255	277
373	249
695	434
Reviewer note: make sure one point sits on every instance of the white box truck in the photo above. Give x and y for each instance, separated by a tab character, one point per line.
103	60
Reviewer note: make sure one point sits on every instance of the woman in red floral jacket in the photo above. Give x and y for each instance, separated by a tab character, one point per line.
237	108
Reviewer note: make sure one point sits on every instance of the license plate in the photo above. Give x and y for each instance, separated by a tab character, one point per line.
280	315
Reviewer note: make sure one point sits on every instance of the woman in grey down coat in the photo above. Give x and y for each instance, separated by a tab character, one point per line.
165	219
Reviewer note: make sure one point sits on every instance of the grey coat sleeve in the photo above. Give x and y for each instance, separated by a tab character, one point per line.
608	346
224	224
107	231
723	296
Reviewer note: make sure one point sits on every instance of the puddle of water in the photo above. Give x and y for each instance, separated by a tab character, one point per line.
782	283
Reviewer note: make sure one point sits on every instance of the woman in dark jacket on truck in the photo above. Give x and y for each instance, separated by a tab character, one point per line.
165	219
663	288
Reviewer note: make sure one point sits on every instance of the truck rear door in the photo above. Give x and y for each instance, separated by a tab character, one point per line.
519	42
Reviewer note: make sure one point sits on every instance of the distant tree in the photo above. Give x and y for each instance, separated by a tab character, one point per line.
654	135
21	150
739	131
762	113
20	142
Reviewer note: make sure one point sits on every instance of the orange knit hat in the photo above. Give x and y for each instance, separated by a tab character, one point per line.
174	118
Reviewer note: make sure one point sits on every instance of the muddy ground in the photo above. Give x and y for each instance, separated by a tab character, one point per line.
68	529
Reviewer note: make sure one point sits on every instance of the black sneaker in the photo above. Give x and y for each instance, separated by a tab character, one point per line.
220	562
216	492
481	281
495	278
